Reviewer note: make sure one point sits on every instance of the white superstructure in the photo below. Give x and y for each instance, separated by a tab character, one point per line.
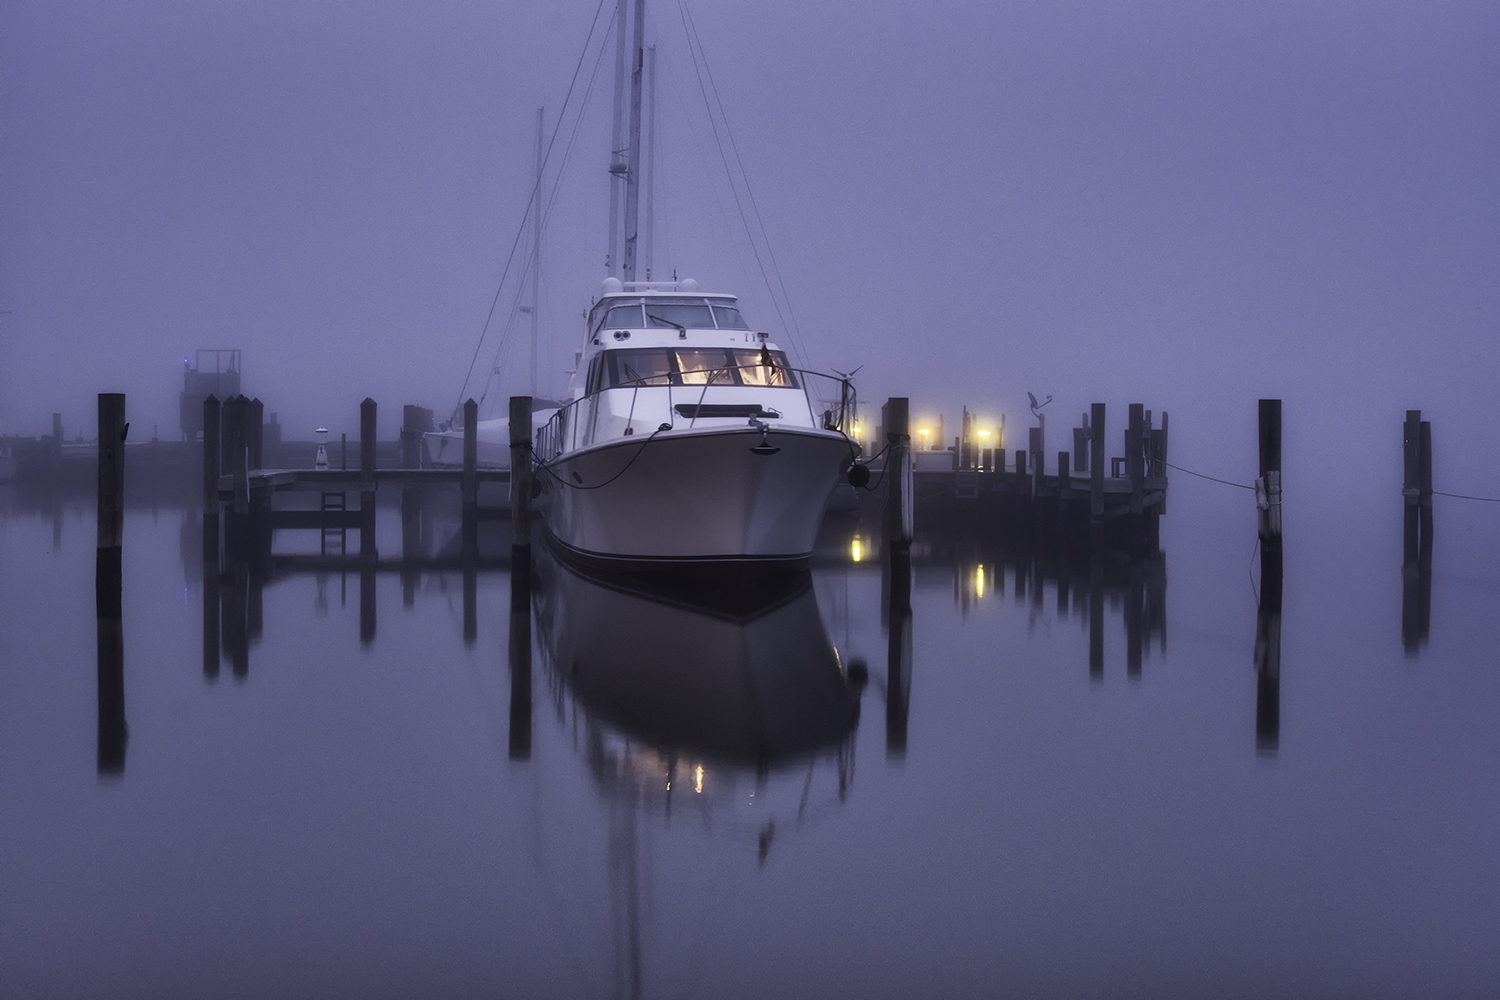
689	436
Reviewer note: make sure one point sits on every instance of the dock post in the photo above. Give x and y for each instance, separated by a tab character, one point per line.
57	436
1416	560
1081	445
257	433
469	503
1268	486
1268	614
1161	453
520	472
414	420
211	456
1135	469
107	582
898	493
1424	480
1096	475
521	437
367	478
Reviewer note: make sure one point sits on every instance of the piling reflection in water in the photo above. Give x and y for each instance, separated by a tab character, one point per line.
111	666
982	566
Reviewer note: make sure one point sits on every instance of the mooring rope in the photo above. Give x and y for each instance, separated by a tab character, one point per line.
1460	496
1209	478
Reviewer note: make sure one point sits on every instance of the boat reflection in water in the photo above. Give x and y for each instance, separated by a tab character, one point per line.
739	709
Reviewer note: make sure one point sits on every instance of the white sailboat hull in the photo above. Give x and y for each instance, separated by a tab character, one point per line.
690	496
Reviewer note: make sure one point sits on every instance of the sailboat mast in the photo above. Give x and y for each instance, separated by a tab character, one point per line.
649	244
633	173
617	165
536	249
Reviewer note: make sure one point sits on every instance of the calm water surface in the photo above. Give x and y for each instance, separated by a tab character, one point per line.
704	806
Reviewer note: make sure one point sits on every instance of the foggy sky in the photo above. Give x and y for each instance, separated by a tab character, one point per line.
1188	205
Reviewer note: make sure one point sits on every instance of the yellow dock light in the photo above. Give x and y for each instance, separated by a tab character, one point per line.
856	549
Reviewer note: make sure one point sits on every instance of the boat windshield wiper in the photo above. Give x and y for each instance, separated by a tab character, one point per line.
681	330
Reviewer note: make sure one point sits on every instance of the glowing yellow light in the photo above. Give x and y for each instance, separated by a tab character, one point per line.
856	550
979	581
856	430
924	432
698	778
984	434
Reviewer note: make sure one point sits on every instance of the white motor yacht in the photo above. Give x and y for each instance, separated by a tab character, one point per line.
688	437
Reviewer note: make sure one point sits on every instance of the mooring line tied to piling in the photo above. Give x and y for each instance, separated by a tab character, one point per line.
1461	496
1209	478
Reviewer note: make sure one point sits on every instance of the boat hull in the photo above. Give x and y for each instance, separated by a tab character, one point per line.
681	496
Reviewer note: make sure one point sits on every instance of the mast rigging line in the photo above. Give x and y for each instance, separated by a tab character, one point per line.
531	202
551	201
696	51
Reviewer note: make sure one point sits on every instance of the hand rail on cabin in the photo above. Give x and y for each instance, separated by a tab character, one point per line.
556	429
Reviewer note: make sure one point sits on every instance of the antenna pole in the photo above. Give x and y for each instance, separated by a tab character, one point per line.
616	144
536	248
633	172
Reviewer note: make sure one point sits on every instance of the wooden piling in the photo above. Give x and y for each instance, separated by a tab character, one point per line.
1268	496
470	483
1081	446
256	436
415	421
898	465
1135	470
211	456
1424	479
520	473
367	477
1161	453
57	436
1096	474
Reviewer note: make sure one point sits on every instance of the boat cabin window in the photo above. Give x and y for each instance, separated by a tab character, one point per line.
671	314
657	313
647	366
729	318
624	318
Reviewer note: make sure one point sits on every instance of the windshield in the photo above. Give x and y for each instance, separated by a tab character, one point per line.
669	314
643	366
729	318
673	315
624	317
